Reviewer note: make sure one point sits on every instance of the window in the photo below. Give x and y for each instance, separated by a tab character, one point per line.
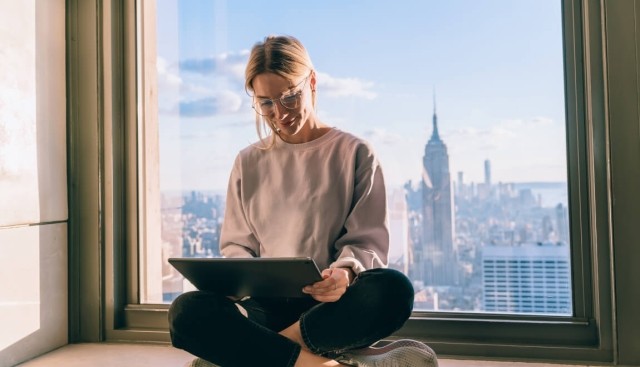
469	125
454	319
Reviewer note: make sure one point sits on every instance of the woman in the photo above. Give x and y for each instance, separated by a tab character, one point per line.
306	189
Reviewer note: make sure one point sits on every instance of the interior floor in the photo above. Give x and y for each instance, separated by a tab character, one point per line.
154	355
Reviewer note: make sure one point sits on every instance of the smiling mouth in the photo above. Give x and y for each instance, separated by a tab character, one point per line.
287	123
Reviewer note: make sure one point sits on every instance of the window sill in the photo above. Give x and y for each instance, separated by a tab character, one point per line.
163	355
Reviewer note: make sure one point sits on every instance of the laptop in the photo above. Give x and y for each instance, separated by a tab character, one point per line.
256	276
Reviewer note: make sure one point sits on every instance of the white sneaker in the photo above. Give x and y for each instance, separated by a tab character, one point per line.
400	353
199	362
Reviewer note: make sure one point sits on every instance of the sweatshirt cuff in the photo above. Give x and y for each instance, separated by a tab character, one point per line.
349	262
235	250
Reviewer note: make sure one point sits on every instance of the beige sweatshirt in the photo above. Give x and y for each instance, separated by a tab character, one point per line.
324	199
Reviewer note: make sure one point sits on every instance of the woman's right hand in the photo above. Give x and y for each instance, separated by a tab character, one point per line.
333	285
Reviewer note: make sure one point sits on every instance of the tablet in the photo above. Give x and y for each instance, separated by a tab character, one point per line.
256	276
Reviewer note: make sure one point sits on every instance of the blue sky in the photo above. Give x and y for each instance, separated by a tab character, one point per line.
496	68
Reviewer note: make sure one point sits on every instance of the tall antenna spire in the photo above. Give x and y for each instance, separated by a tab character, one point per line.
434	100
435	135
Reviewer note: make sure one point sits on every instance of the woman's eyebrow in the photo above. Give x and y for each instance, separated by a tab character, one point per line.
288	90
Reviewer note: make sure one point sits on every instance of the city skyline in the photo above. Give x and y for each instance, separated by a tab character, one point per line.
474	247
500	216
380	88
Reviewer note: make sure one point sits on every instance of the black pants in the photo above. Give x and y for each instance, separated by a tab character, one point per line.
211	327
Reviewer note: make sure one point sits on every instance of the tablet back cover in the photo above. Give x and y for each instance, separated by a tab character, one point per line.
256	277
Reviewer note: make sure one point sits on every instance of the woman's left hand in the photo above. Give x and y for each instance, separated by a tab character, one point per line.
333	285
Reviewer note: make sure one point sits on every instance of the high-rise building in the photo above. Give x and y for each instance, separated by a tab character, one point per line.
548	232
437	263
487	173
460	186
398	231
531	278
485	189
562	220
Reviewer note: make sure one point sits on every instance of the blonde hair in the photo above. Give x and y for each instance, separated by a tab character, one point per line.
281	55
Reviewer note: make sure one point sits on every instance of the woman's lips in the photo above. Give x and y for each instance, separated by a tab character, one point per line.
287	123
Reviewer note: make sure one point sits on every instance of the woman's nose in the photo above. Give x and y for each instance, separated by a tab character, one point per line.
280	110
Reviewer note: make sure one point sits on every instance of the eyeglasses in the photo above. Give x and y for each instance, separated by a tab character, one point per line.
290	100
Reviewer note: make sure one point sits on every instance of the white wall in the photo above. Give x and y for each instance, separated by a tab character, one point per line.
33	180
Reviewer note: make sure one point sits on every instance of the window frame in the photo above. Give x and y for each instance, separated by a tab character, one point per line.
110	85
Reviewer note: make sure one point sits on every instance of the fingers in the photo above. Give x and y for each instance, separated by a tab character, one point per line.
333	280
331	288
324	287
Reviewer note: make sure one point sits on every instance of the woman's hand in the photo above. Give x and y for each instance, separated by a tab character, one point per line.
333	285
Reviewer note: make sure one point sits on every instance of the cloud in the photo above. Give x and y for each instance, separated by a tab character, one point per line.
541	120
345	87
382	136
230	64
167	76
221	103
200	87
520	123
170	82
500	132
470	132
199	108
470	139
200	66
494	131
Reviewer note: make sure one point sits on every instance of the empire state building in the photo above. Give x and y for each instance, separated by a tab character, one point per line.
437	261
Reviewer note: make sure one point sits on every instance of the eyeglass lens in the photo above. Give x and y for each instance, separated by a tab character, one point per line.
266	106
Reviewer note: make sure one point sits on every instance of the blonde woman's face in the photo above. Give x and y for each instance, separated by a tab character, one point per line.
286	105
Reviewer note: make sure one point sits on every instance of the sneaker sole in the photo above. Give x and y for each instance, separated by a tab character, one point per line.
404	352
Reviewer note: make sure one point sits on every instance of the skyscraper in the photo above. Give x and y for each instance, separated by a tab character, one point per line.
437	264
532	278
487	173
562	220
460	187
398	231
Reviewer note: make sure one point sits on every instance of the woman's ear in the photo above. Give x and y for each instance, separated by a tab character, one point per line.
312	80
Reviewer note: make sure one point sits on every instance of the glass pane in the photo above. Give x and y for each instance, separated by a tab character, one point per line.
462	100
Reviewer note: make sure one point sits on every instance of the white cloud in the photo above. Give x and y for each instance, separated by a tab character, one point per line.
465	132
379	135
229	102
217	103
541	120
167	75
191	91
230	64
520	123
494	132
237	64
526	148
501	132
345	87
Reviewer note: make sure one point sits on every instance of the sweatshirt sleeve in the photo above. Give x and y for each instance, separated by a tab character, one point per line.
236	237
364	243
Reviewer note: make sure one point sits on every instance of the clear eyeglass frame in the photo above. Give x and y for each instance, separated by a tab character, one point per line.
289	100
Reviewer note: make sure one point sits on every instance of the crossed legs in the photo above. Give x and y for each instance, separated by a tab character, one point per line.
291	332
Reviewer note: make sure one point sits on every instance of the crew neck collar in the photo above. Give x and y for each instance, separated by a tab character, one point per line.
328	136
